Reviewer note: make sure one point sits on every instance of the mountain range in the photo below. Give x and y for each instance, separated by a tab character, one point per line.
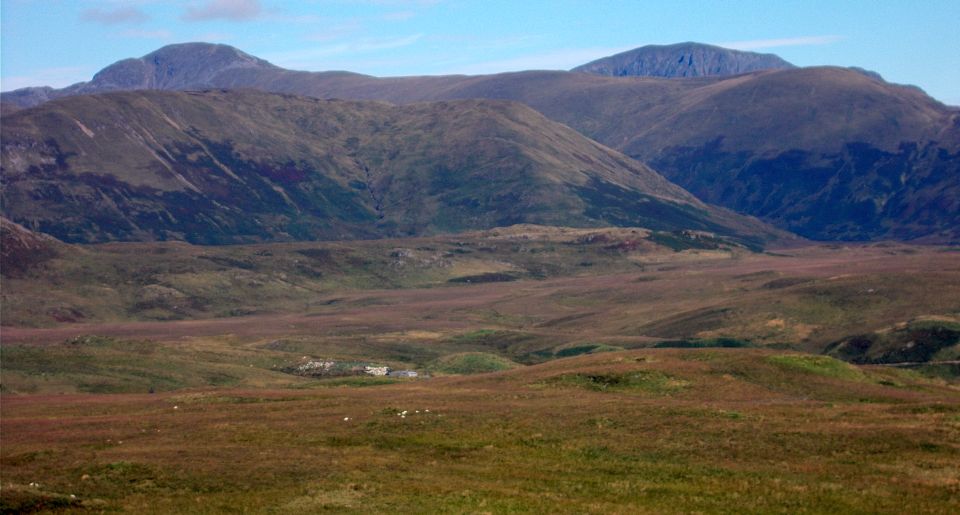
241	166
828	153
204	65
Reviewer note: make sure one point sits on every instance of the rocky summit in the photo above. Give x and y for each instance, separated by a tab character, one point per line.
682	60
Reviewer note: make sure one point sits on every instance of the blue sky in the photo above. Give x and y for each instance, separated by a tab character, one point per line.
58	42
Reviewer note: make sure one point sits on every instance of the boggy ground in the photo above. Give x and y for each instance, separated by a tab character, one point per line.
643	431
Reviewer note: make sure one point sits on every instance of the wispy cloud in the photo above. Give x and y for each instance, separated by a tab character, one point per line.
54	77
758	44
334	32
309	57
122	14
230	10
383	44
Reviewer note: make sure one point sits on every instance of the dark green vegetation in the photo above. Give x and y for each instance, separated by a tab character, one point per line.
471	363
703	343
641	381
229	167
917	342
829	153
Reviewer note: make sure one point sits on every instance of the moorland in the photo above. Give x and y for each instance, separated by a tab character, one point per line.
204	288
589	370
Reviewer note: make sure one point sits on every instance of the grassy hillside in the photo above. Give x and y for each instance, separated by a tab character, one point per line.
229	167
792	147
59	283
526	293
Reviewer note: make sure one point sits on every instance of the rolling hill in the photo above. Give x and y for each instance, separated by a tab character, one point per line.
229	167
829	153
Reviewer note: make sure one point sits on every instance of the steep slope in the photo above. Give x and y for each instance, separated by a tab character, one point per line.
826	152
221	167
829	153
682	60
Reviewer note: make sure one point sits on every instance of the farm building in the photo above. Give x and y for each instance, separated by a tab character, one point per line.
376	371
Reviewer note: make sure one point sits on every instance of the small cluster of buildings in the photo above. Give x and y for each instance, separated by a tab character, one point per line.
386	371
325	368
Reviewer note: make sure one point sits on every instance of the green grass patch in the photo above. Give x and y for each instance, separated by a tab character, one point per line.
478	335
354	382
819	365
586	348
95	364
650	381
471	363
502	341
684	240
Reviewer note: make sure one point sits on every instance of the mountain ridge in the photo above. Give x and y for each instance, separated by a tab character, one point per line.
246	166
791	146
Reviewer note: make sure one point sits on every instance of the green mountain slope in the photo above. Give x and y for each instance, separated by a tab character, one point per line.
225	167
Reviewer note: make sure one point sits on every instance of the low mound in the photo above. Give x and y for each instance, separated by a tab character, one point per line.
640	380
22	249
578	349
472	363
913	342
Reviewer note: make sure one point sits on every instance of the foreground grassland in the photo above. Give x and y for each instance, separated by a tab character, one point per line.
570	370
649	431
